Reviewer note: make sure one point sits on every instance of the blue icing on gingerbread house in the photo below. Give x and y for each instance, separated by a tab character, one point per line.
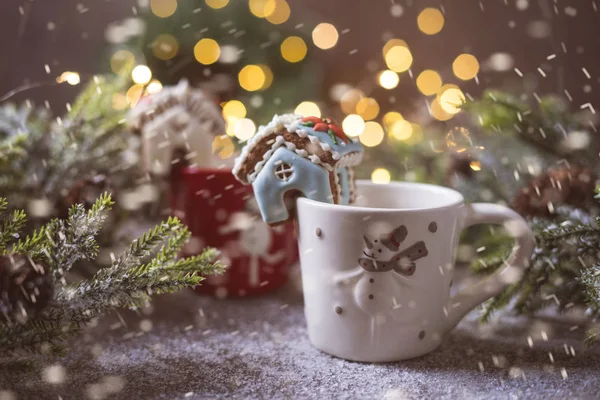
293	156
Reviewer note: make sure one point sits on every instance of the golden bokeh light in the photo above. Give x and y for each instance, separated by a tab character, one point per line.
308	109
262	8
121	61
381	176
234	108
163	8
350	99
165	46
451	98
372	134
367	108
390	118
398	58
207	51
154	86
475	165
401	130
430	21
134	94
438	112
223	146
325	36
244	129
216	4
268	76
252	78
353	125
293	49
465	66
280	14
429	82
141	74
393	43
230	125
388	79
72	78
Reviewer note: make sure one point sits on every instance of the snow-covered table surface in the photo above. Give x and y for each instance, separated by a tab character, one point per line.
190	346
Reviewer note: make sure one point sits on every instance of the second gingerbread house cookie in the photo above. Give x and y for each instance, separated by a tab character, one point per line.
292	155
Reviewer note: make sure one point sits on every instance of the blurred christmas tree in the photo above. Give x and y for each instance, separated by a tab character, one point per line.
240	51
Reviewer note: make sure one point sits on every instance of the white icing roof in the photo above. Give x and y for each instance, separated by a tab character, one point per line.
277	124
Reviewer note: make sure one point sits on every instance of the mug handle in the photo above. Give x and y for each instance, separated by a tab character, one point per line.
470	297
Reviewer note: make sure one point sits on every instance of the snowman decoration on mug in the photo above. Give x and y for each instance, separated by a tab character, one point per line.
383	273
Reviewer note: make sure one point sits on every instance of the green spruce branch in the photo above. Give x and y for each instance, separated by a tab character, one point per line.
45	157
563	272
149	266
541	126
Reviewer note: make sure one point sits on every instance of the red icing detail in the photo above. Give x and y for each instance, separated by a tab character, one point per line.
339	132
322	127
326	124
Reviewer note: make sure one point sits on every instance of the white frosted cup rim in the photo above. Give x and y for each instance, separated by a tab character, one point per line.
446	197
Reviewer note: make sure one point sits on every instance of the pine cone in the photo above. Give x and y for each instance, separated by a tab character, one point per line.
25	287
572	186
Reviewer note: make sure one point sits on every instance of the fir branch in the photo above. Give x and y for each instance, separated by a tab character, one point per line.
531	284
592	335
557	274
127	283
174	243
190	264
47	159
143	246
541	127
556	233
12	148
73	239
499	301
95	100
34	244
10	227
590	278
36	337
117	284
84	148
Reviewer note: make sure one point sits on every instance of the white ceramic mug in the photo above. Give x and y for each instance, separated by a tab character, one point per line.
376	276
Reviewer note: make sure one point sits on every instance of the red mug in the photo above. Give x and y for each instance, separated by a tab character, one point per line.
220	212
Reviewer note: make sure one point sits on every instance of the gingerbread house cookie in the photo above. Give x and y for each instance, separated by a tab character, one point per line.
293	155
178	119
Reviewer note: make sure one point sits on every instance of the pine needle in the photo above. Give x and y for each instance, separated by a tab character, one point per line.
149	266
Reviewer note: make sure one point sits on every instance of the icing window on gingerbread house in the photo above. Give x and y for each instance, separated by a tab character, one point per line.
283	172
